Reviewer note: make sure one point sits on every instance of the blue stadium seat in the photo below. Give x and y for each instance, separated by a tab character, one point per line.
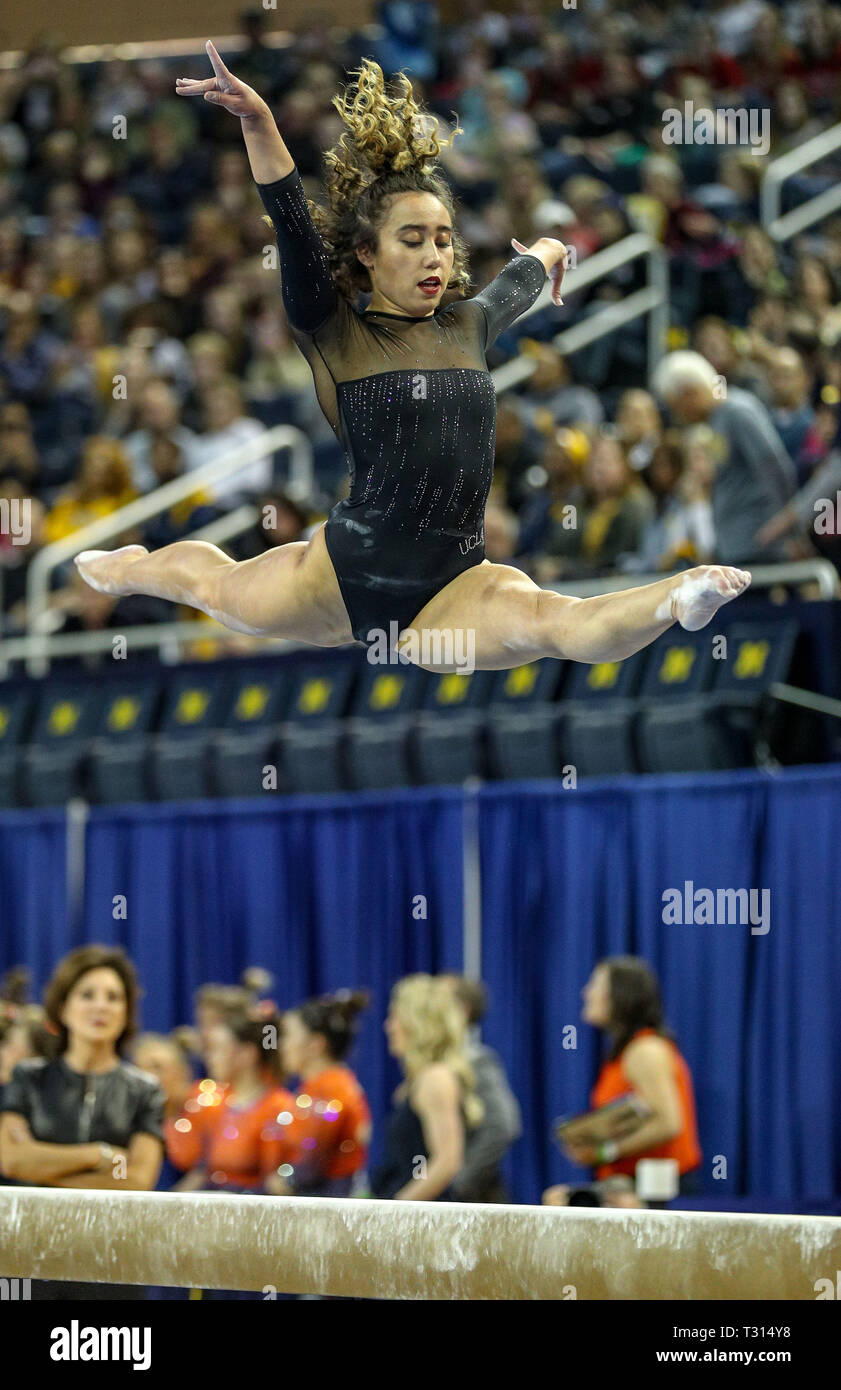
523	721
68	715
194	706
673	733
16	704
597	727
448	737
118	760
311	739
718	729
241	751
378	732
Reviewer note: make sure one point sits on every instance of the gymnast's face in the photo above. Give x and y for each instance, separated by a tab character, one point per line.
95	1009
415	244
596	998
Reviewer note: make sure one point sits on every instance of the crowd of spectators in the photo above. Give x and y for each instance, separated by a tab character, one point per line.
142	332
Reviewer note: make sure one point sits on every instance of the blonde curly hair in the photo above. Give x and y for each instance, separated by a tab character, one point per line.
390	147
436	1031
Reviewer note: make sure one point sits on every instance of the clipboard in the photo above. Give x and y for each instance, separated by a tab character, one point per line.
611	1121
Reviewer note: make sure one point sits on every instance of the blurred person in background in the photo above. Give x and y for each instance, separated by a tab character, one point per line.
437	1103
227	1138
87	1118
280	520
638	427
550	397
328	1127
18	450
480	1178
681	530
622	998
792	411
754	476
160	416
616	509
166	1058
103	486
559	492
226	428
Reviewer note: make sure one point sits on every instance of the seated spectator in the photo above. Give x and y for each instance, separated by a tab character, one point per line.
515	450
638	426
622	998
550	398
437	1103
18	452
104	486
210	360
87	1118
501	532
227	427
754	476
160	417
227	1138
480	1179
616	509
681	530
27	351
280	522
328	1127
792	411
560	495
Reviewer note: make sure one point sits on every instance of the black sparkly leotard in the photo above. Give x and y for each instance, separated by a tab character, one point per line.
412	403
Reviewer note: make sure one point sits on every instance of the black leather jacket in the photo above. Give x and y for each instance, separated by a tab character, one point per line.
63	1106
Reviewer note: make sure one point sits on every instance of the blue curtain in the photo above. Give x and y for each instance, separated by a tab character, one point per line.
571	876
34	921
321	891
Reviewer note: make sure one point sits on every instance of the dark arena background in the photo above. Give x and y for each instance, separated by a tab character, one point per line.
327	975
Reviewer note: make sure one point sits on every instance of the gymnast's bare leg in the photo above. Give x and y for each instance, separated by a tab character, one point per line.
290	591
513	621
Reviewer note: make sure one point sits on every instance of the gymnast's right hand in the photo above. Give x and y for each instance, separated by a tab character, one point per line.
223	90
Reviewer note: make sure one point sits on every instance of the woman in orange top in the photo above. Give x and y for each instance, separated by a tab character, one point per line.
622	997
328	1126
228	1136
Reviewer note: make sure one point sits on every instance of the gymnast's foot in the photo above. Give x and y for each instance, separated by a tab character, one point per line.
701	593
108	570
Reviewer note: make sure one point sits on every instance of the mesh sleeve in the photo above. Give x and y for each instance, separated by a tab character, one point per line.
510	293
309	294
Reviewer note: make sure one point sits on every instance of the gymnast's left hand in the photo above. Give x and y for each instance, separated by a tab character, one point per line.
555	258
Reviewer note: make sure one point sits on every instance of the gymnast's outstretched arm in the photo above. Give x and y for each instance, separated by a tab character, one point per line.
309	295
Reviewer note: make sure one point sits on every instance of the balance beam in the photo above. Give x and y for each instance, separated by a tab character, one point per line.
412	1250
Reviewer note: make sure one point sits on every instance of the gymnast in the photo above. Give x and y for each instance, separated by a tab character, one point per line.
404	385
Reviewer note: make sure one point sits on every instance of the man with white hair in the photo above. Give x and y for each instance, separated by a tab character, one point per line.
754	476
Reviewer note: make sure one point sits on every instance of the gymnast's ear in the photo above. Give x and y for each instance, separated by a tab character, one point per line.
365	255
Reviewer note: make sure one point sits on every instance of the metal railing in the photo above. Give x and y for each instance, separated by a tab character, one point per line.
782	168
126	518
169	638
652	301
